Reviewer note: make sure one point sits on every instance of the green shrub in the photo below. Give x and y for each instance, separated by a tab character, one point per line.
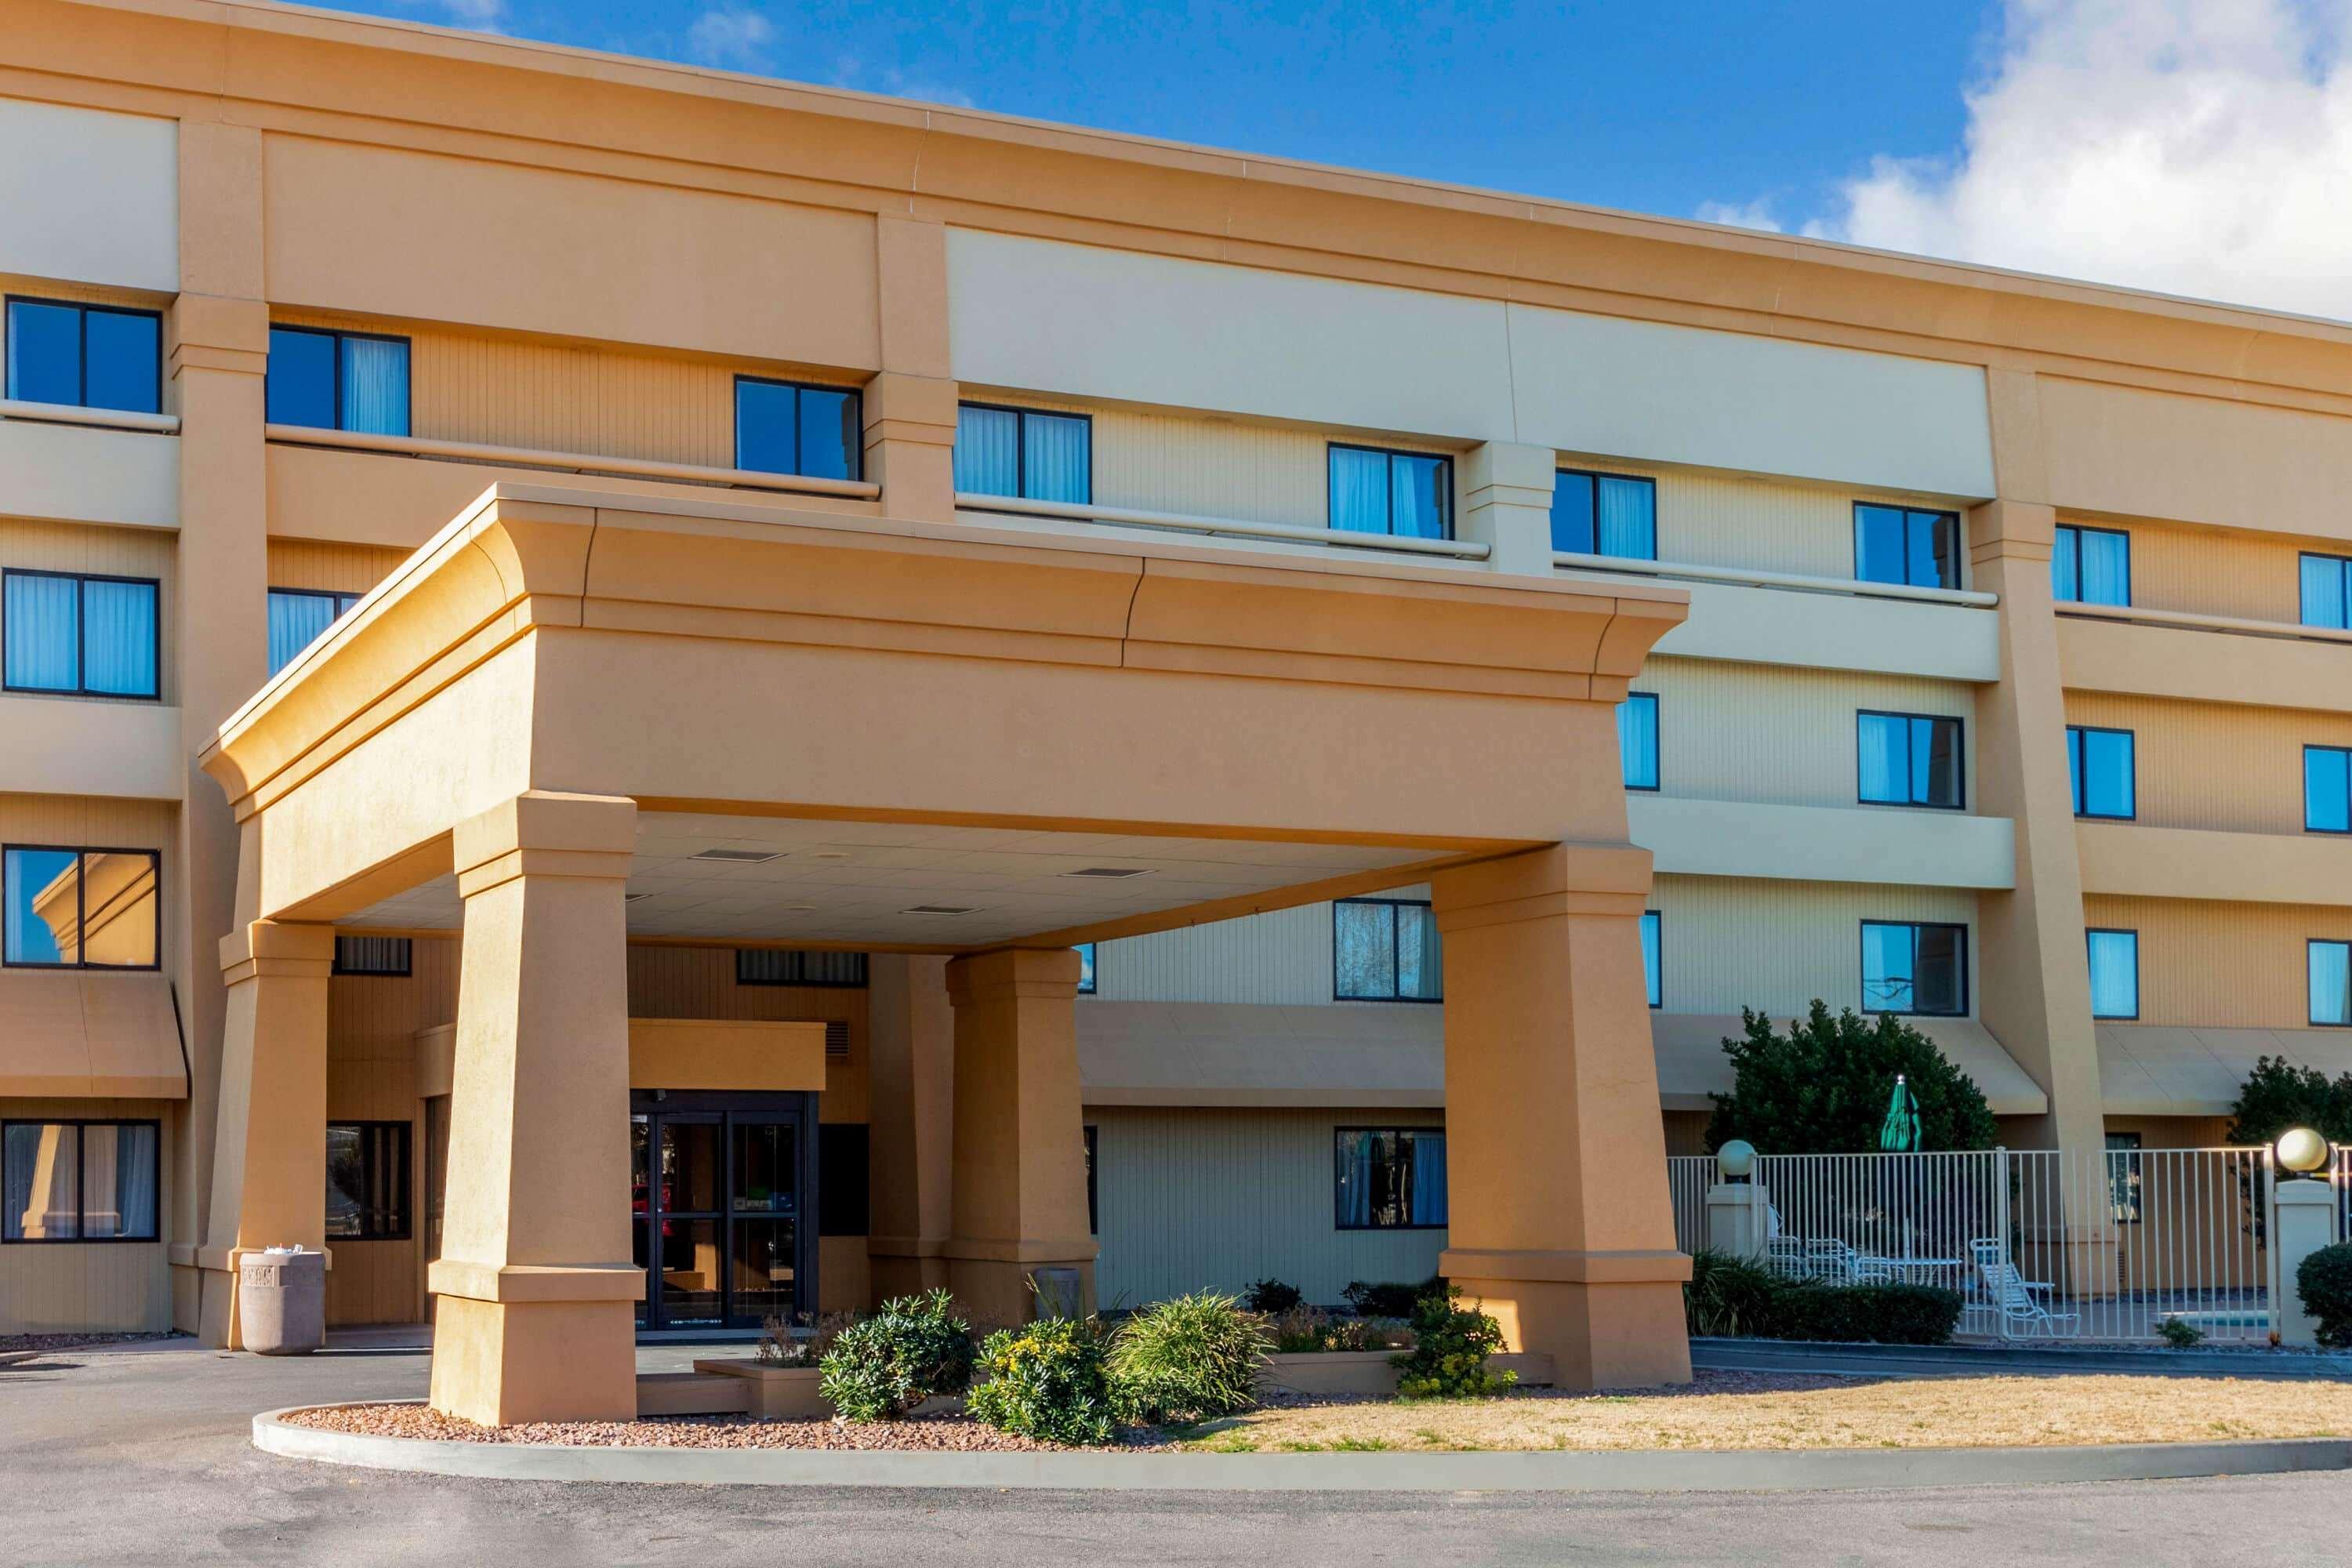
1392	1298
2324	1280
1186	1360
1045	1380
1450	1343
1304	1330
1732	1298
1822	1088
880	1368
1271	1296
1871	1314
2180	1333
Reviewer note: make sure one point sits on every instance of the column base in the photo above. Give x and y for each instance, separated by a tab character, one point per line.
1608	1319
503	1363
991	1281
905	1266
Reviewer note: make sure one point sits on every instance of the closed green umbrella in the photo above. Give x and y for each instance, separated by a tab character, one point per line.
1899	1134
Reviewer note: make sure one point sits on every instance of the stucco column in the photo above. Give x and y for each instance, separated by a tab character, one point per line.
1019	1164
910	406
1507	504
911	1088
270	1143
1556	1157
216	631
535	1321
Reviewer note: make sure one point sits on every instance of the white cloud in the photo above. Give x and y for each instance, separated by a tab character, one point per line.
2199	147
481	15
730	36
851	72
1757	214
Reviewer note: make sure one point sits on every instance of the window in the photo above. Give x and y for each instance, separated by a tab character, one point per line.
1094	1215
2327	789
2327	591
80	1181
338	380
1086	951
87	356
80	908
373	955
798	966
1915	968
2328	976
1897	544
2123	1177
784	428
1637	739
2091	565
1654	957
1020	452
842	1200
2115	974
78	636
1908	759
1408	494
2100	764
367	1181
1385	950
300	617
1389	1178
1604	514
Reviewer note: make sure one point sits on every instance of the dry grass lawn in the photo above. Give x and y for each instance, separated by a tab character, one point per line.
1751	1410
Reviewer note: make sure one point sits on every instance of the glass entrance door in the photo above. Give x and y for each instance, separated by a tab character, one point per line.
717	1200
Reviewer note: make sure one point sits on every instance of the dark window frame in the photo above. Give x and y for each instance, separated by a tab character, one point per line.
1330	520
2345	753
81	1186
1658	1004
1090	977
1396	953
404	1147
1338	1203
407	950
2080	755
865	969
2133	933
2124	1190
1862	971
1593	477
82	331
2308	943
1959	759
1657	744
2343	565
849	1213
856	396
1021	447
81	906
1959	543
342	610
82	635
1091	1135
2059	540
340	335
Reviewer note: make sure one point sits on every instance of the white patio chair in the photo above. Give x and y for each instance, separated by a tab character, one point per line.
2018	1304
1785	1256
1828	1258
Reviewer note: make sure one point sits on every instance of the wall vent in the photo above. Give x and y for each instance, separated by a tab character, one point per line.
836	1038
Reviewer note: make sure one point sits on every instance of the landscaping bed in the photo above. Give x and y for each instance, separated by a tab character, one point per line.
948	1431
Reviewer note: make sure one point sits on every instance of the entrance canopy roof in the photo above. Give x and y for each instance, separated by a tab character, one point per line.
834	727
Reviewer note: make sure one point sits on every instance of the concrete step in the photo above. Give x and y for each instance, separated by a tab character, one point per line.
691	1394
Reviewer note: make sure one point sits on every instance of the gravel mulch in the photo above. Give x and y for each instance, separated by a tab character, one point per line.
944	1432
71	1341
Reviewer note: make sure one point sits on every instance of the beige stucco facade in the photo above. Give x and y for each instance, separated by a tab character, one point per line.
593	645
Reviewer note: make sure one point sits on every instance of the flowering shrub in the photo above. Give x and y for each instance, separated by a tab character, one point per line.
1045	1380
880	1368
1451	1344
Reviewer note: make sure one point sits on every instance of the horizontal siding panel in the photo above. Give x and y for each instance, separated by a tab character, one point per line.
1728	942
2219	766
2218	965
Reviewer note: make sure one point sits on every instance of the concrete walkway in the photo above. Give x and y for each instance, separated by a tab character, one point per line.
2011	1360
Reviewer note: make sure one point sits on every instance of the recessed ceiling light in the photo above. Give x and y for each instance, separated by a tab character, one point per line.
941	909
1110	872
740	856
828	855
795	908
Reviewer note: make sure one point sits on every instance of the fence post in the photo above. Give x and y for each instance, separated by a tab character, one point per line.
1735	1218
2301	1221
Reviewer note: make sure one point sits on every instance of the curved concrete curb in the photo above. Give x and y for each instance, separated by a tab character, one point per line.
1871	1469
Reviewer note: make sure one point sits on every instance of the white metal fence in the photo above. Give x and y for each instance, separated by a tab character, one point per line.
2041	1244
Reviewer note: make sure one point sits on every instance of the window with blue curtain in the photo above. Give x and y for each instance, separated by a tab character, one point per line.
2090	566
85	356
80	908
79	636
2328	976
1654	956
1086	951
1389	1178
1908	759
786	427
299	617
2327	591
2100	765
1385	950
1024	453
2115	974
1906	546
338	380
2327	789
1604	514
1407	494
1637	739
1917	968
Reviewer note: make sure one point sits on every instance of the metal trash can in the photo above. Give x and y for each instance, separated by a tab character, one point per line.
281	1301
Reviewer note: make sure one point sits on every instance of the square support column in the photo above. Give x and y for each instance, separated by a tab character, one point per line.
1020	1160
270	1145
911	1088
910	406
537	1288
1556	1152
1507	504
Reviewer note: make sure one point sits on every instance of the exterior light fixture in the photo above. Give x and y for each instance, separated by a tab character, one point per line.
1736	1159
2302	1150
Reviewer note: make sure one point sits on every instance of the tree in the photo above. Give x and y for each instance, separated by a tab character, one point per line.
2276	1096
1822	1087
